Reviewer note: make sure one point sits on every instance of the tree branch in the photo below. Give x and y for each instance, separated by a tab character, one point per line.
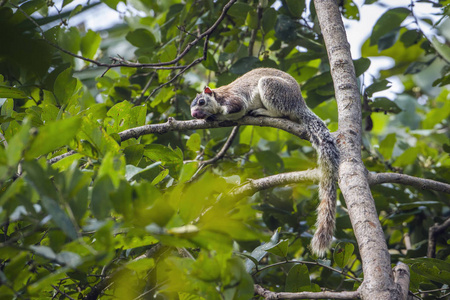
313	263
224	148
119	62
174	125
420	183
61	292
433	232
268	182
259	290
219	155
401	277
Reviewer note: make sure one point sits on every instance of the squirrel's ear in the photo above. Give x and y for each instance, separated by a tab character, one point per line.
207	90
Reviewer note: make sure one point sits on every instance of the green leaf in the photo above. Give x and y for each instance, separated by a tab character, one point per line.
431	268
361	65
100	202
90	43
76	10
259	252
317	81
43	251
270	161
389	21
17	144
133	154
384	104
342	254
142	264
298	279
269	19
59	217
411	37
378	86
119	117
52	136
239	10
163	154
187	171
387	145
141	38
350	10
113	165
285	28
11	92
69	39
69	259
194	142
442	49
436	115
407	158
132	171
97	138
36	175
252	20
296	7
418	66
160	176
280	249
210	63
111	3
244	65
64	86
388	40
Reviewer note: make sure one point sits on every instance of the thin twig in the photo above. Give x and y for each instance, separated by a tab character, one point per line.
59	157
219	154
254	34
224	148
259	290
198	60
61	292
423	34
433	232
149	82
119	62
314	263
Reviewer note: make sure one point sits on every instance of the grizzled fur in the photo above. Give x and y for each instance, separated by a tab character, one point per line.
274	93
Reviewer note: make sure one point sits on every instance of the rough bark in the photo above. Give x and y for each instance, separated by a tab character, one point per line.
378	278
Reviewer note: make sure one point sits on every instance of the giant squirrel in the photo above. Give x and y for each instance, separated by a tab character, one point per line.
274	93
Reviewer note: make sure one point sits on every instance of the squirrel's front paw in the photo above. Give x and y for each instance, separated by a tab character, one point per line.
258	112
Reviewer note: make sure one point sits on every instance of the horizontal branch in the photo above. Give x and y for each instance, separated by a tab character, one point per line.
420	183
254	185
259	290
268	182
174	125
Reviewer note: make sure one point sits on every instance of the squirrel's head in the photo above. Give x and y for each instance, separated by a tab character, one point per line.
205	104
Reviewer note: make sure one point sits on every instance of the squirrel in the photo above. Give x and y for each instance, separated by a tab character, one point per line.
274	93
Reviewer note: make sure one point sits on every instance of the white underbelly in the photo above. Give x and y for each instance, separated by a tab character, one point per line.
255	100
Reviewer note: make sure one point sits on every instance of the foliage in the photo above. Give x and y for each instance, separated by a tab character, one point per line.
133	219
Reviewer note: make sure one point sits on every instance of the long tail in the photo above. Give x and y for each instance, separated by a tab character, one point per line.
328	160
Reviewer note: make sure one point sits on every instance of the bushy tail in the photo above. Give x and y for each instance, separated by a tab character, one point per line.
328	160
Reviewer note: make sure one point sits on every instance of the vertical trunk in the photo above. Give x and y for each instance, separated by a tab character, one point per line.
378	277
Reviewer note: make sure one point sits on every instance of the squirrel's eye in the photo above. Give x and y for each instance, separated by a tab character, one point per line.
201	102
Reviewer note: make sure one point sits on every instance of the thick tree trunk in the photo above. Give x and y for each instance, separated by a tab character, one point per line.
378	277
